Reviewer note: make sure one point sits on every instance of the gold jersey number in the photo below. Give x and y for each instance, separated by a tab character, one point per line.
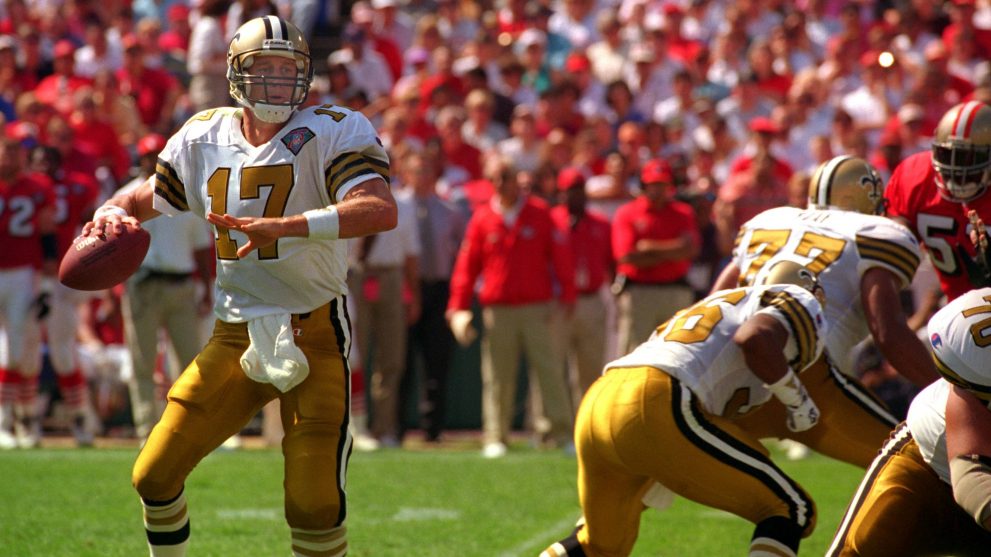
277	179
764	244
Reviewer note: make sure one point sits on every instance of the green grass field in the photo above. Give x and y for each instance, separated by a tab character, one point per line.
448	502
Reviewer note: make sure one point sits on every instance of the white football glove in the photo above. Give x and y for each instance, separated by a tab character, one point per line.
803	413
462	328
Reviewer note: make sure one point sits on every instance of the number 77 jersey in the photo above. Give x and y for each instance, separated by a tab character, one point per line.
312	162
839	247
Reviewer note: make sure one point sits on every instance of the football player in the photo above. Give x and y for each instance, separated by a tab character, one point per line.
27	234
934	473
284	186
863	260
666	413
933	192
76	196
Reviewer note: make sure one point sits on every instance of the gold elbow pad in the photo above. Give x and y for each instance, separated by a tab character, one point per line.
971	479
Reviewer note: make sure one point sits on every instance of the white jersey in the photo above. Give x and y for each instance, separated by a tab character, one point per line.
839	247
960	337
320	154
696	345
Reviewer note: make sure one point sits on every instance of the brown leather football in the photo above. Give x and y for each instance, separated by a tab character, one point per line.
100	262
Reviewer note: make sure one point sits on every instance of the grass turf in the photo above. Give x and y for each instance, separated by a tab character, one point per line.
438	503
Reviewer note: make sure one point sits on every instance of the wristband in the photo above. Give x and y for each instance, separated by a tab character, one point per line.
324	224
110	210
789	390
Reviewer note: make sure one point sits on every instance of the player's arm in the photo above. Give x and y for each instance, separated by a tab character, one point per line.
763	339
647	253
132	207
729	277
49	242
879	289
968	449
367	208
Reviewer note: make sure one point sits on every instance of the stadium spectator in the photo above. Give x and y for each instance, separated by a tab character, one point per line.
511	245
97	53
57	90
154	91
654	239
207	59
480	130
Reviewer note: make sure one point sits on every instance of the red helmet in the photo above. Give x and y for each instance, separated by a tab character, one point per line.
961	151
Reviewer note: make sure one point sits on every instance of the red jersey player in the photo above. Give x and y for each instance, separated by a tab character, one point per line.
27	234
934	192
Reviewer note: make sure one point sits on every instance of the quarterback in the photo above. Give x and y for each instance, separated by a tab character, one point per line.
863	260
929	490
283	186
932	193
681	391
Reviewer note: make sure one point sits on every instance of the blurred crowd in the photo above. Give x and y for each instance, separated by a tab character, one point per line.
727	104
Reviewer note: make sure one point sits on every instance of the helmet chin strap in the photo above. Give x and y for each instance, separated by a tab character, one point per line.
271	113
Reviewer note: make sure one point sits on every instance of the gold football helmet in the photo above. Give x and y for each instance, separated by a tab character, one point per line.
961	151
268	36
785	271
847	183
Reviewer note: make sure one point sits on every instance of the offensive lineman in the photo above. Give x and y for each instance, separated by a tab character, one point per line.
680	391
934	473
283	186
863	260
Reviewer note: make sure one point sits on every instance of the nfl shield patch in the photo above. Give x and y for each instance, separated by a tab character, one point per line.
298	137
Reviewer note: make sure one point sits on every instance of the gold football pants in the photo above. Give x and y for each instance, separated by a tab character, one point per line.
853	424
638	425
213	399
903	508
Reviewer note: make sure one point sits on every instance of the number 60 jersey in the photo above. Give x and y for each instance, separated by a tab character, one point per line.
839	247
696	345
312	162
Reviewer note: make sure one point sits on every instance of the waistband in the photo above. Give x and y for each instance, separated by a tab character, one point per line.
677	282
165	276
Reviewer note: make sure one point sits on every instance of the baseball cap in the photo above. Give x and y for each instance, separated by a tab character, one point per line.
656	171
63	48
8	42
911	112
577	62
379	4
532	37
762	124
177	12
570	177
152	143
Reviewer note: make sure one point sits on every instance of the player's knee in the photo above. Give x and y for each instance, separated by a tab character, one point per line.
153	486
313	513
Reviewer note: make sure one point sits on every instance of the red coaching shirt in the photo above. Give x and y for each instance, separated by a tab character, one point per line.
639	220
21	201
941	225
590	241
514	263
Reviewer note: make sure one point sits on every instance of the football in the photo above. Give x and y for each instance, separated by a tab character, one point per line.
99	262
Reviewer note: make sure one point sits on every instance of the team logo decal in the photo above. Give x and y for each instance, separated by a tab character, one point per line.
935	340
295	139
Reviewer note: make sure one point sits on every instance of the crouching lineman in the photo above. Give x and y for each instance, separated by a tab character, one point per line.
665	413
929	491
863	260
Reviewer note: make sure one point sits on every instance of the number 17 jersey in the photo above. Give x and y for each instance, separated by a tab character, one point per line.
312	162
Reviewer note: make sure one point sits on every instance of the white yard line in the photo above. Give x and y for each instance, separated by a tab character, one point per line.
549	535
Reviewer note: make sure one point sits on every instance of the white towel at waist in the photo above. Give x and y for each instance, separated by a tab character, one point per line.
272	355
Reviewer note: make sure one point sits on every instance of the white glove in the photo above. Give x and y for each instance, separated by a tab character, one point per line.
460	323
803	413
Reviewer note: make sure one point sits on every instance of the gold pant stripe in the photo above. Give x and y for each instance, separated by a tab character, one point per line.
899	438
173	518
696	428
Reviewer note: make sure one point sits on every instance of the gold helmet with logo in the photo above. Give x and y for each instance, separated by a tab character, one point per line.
847	183
786	271
268	36
961	151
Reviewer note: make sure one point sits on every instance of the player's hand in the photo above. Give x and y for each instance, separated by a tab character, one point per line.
108	222
260	231
803	416
460	323
982	257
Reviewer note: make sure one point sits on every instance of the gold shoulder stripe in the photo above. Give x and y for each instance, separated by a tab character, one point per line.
889	253
800	321
352	165
982	392
167	181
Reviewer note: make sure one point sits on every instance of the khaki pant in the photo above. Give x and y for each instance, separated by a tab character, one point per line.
584	345
512	331
381	326
642	308
150	306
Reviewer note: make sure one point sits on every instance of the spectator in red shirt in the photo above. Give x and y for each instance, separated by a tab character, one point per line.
584	334
95	137
175	39
57	89
654	240
511	244
450	121
154	91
